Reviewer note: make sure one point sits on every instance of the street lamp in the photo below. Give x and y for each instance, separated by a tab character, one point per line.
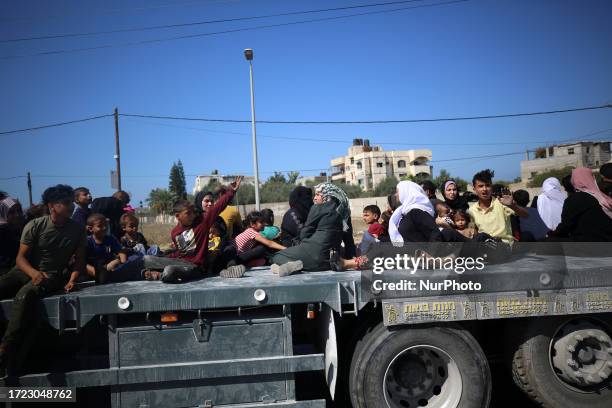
248	54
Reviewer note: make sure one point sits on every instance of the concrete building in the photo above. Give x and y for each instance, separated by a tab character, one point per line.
321	178
579	154
366	166
203	180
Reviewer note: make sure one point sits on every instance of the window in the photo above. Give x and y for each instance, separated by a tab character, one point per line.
570	150
588	149
401	163
597	162
352	160
360	181
359	165
533	174
551	151
380	165
402	175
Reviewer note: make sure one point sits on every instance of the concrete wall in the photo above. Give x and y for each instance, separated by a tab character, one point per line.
279	209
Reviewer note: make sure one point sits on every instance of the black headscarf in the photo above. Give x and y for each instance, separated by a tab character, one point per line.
459	203
219	222
197	201
300	200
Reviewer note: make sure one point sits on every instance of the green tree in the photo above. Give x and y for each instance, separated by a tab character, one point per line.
419	178
245	194
292	177
539	178
444	175
177	184
350	190
278	177
385	187
161	201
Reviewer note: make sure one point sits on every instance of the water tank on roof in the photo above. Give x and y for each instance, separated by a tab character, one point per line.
366	143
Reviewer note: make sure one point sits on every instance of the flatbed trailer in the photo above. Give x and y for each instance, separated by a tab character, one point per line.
243	342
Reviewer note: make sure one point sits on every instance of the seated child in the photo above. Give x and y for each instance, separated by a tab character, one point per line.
133	241
106	260
461	221
444	215
251	246
270	231
371	215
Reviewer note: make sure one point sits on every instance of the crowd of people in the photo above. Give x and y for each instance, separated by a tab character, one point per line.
69	237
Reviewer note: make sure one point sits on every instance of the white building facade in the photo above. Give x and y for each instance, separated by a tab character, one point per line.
203	180
580	154
366	166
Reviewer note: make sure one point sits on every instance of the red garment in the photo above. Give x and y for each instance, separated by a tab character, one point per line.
192	242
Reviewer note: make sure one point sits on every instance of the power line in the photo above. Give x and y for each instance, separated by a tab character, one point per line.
377	142
183	37
11	178
114	11
375	122
205	22
6	132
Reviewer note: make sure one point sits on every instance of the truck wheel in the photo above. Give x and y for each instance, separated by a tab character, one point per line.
565	363
422	366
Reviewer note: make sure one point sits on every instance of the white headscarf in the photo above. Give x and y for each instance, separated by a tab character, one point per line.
550	202
5	207
412	196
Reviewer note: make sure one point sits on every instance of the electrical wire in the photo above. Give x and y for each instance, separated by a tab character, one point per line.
70	122
205	22
375	142
184	37
375	122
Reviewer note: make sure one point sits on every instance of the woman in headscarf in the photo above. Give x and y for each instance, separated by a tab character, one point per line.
328	221
300	202
550	202
413	220
11	225
450	191
587	213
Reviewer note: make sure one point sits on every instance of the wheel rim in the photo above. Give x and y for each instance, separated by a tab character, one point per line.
581	355
422	376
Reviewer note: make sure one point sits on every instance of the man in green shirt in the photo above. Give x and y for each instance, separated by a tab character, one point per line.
47	245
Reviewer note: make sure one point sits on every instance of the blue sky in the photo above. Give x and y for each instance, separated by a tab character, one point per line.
469	58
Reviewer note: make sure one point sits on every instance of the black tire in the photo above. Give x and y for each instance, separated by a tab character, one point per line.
533	373
380	346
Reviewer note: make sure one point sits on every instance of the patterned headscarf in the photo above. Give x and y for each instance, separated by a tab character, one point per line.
328	190
5	207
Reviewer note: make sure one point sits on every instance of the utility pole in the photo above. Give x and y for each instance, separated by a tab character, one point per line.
117	152
30	188
248	54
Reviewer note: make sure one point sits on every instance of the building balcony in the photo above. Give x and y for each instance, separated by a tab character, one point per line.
338	162
420	169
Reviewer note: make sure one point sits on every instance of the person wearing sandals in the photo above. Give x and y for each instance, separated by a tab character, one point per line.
328	220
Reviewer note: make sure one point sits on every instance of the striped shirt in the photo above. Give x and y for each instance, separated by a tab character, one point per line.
245	240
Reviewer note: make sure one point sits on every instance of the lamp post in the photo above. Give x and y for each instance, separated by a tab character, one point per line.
248	54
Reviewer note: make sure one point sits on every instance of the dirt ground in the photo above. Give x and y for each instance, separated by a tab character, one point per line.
159	234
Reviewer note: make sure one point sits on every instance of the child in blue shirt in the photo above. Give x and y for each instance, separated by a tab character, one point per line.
270	231
106	260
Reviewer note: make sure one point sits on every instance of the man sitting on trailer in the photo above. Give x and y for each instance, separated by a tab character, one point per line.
47	245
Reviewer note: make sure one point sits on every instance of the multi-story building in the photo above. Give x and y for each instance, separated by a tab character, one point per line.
366	166
579	154
302	181
203	180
